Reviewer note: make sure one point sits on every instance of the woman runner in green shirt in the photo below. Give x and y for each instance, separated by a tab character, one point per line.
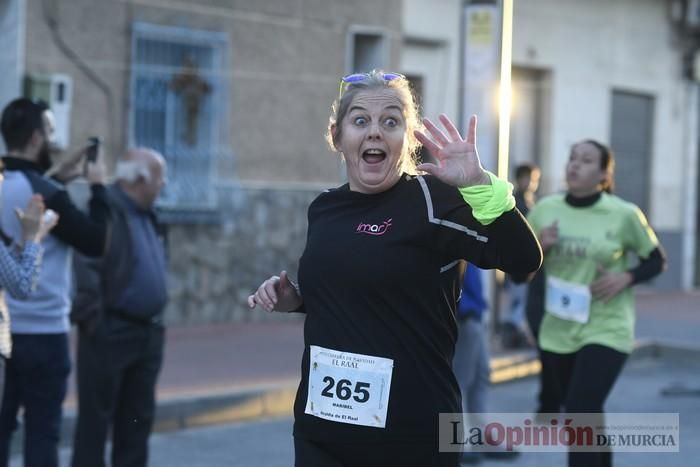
588	328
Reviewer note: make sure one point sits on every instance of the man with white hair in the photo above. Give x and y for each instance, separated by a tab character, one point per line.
119	307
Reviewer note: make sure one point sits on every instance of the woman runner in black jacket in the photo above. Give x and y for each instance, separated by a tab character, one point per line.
380	277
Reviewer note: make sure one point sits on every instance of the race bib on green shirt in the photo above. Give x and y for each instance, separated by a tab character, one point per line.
568	300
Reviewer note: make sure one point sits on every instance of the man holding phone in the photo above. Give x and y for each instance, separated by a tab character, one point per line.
70	167
37	374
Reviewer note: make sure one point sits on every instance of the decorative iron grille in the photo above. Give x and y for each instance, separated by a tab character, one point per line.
178	108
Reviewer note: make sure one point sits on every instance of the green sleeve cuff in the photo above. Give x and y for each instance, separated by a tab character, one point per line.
488	202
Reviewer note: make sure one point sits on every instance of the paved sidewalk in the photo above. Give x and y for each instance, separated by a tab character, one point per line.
220	361
672	318
241	358
230	372
223	358
221	373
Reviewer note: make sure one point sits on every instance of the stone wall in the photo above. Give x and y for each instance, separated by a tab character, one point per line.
214	266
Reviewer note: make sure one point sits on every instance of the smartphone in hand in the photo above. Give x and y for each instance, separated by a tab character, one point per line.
93	149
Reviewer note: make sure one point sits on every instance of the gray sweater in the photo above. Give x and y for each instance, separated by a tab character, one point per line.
46	309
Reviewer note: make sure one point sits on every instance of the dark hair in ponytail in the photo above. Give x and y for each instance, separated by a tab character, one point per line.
607	164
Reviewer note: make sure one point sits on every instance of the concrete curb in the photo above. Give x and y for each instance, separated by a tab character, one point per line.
186	413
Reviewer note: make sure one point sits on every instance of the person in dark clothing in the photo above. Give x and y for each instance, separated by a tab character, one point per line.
36	375
527	181
380	277
119	306
472	362
514	333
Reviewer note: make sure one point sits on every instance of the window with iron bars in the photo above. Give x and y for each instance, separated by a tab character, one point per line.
177	108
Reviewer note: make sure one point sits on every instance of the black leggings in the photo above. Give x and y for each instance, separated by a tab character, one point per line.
583	381
311	454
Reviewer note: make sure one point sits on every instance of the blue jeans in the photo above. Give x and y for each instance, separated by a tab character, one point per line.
471	364
36	378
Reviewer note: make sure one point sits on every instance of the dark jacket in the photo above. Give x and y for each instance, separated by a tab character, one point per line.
99	282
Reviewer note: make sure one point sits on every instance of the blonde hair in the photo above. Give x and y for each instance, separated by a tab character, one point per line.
375	80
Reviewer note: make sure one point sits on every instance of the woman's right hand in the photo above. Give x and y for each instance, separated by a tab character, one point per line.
276	294
549	236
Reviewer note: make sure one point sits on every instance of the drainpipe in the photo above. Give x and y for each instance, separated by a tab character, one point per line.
49	8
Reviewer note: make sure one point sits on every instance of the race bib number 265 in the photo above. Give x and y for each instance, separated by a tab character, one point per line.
347	387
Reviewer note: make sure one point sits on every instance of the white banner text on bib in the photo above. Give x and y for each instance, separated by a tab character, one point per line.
349	388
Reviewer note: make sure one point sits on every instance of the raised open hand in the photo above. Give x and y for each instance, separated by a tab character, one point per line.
30	218
35	219
458	161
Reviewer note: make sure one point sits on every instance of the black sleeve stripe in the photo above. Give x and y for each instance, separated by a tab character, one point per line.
452	225
447	267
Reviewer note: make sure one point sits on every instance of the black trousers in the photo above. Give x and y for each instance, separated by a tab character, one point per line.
36	378
118	366
3	365
549	398
583	381
348	454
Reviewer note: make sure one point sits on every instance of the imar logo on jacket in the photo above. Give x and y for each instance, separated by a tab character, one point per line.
374	229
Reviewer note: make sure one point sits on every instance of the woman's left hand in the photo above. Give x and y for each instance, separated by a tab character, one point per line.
458	160
609	284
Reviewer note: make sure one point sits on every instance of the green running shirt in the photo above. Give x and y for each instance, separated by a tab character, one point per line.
600	234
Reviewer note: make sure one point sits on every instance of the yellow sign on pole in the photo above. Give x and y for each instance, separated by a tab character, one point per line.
480	28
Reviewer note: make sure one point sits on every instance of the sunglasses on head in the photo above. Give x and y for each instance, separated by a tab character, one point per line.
358	77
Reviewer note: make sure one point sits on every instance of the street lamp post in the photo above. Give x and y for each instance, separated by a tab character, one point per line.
487	27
